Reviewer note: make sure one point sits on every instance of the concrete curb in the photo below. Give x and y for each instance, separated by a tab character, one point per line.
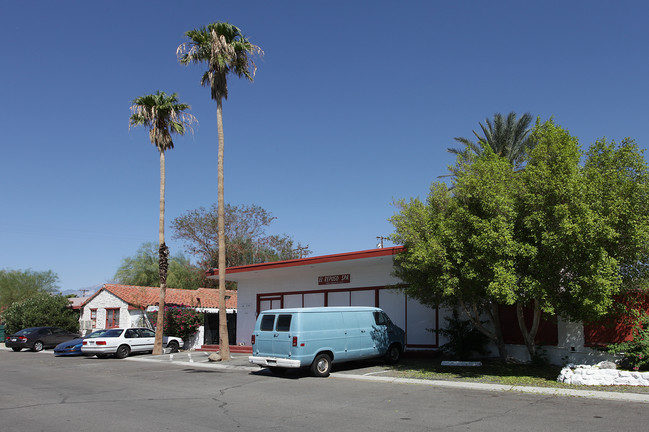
200	364
627	397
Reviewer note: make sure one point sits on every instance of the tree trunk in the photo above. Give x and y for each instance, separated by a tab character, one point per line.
500	340
495	336
529	335
224	342
162	261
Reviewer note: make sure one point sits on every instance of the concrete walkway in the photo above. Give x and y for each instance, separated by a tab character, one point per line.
240	361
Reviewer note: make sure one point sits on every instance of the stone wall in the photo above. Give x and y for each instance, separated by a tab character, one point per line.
596	375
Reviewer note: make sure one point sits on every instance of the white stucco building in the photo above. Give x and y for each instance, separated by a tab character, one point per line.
364	278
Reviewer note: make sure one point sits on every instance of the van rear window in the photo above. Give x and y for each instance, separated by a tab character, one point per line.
267	322
284	322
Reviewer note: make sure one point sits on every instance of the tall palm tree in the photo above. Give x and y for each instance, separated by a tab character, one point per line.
163	115
226	51
507	137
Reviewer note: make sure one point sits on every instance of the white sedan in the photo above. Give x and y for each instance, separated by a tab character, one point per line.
121	342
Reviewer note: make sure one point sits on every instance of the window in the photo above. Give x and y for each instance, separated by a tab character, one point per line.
112	318
267	323
284	322
147	333
381	318
93	317
131	333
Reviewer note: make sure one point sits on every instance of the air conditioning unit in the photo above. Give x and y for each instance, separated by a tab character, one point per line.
86	325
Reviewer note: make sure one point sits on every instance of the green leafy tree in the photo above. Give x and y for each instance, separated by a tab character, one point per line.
19	285
245	234
226	51
507	137
41	310
142	270
163	115
460	244
557	236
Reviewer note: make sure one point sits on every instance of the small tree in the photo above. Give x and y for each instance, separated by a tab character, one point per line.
19	285
180	321
41	310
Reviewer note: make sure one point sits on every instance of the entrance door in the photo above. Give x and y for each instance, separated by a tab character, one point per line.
212	329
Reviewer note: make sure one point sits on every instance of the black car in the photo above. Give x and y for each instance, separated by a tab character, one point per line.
37	338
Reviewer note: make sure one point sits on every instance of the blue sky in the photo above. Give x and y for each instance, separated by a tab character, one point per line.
353	106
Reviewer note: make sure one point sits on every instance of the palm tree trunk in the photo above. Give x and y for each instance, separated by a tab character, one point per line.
224	342
162	261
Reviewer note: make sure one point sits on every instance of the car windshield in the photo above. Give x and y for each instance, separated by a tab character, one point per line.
25	332
97	334
112	333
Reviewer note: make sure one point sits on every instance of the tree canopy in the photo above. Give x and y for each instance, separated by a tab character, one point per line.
19	285
245	234
41	310
141	269
559	236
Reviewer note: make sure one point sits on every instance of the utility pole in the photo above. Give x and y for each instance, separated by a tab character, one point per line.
379	245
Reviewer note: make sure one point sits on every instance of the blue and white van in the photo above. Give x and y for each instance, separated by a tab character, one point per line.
318	337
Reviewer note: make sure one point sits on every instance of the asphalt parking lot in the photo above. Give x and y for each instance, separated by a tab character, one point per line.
366	371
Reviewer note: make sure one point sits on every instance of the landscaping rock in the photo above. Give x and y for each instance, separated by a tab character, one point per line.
215	357
606	365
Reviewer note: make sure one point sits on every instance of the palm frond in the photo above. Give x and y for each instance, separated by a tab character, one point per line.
163	115
225	50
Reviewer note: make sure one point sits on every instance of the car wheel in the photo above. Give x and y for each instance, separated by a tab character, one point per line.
38	346
123	351
393	354
102	356
16	348
321	366
173	346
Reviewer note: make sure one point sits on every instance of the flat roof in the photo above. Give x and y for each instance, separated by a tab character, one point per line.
347	256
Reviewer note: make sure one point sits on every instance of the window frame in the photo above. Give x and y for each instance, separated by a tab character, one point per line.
112	317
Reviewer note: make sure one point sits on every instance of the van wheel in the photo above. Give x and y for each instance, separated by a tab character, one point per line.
393	354
321	366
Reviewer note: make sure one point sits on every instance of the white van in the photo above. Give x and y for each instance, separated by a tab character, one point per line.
318	337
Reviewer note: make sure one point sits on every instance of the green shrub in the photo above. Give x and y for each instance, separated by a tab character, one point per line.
41	310
179	321
463	338
636	351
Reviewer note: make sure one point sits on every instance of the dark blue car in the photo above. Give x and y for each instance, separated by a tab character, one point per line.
73	347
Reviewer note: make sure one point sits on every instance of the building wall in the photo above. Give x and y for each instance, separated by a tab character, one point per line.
107	300
367	287
299	287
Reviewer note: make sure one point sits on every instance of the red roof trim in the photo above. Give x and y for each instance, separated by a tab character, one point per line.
371	253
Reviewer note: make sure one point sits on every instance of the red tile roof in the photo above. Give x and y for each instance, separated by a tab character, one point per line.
139	296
